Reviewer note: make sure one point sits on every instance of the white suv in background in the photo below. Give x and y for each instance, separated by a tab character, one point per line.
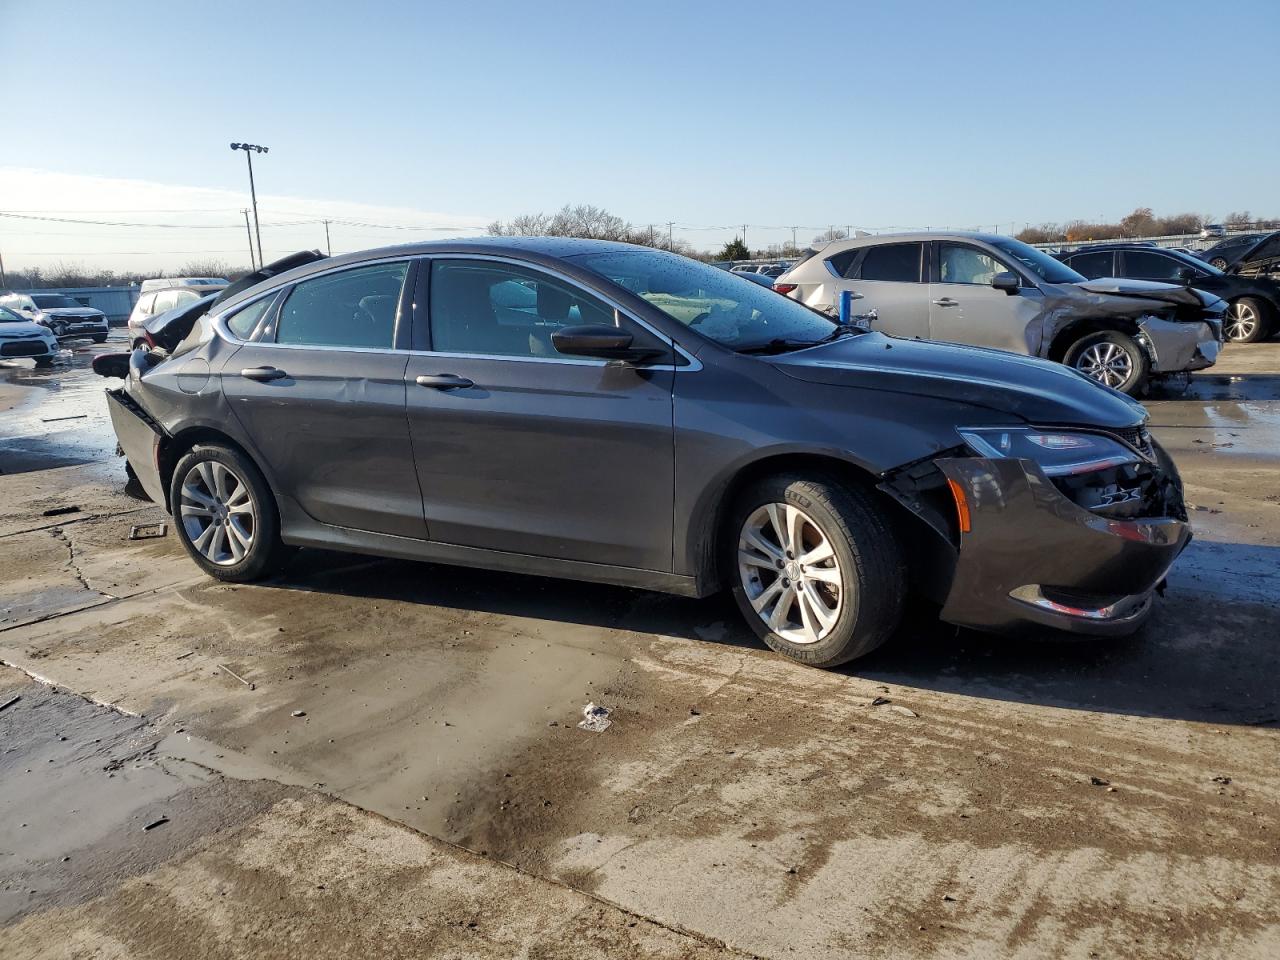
167	293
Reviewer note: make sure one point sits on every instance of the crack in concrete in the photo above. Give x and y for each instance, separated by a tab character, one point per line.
61	535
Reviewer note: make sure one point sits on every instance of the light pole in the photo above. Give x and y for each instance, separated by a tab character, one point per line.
249	150
247	233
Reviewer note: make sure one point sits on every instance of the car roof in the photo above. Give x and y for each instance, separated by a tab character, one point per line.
545	250
850	243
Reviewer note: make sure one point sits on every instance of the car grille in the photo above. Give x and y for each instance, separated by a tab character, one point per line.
1138	438
23	348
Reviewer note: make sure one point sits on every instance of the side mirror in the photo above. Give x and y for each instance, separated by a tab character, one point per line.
599	341
1186	275
1008	281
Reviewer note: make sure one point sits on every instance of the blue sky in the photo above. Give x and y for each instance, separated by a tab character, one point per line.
873	114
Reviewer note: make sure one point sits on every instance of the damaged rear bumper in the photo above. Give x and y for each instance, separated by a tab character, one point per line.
139	437
1032	557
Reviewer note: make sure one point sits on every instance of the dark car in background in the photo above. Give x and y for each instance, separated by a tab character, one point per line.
600	411
1225	252
1253	303
1260	260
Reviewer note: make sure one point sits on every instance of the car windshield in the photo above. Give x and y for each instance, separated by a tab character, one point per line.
8	316
1037	261
53	301
722	306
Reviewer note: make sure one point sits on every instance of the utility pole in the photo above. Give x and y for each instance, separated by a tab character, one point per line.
744	239
671	243
327	245
3	281
848	229
249	233
793	239
249	150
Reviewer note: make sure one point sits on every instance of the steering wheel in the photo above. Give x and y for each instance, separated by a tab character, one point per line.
699	318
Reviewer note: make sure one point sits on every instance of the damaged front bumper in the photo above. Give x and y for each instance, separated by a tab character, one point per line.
1028	555
1178	347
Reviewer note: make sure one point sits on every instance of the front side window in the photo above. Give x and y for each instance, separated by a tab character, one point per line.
165	301
1037	261
487	308
728	309
960	263
352	308
242	324
1151	266
8	316
1094	265
892	261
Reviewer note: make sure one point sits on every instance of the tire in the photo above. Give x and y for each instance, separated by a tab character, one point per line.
1219	263
1246	321
860	586
99	338
204	471
44	363
1113	359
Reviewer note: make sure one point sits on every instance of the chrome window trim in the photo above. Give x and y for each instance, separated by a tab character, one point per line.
692	363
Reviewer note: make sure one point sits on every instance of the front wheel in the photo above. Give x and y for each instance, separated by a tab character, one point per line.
44	362
1112	358
225	514
1245	323
99	338
1219	263
818	573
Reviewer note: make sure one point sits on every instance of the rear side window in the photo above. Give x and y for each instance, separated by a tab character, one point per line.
353	308
146	303
892	261
842	262
243	323
1151	266
1093	265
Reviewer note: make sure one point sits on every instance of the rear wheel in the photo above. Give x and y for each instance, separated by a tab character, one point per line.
99	338
1112	358
225	514
818	574
1246	321
1219	263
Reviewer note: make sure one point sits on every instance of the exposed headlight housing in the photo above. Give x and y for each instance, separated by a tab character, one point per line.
1057	452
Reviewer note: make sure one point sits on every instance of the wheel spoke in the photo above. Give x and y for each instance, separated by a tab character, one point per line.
220	477
778	520
778	618
767	595
755	560
829	575
235	541
192	511
823	551
755	540
205	469
825	616
219	542
201	542
189	492
241	496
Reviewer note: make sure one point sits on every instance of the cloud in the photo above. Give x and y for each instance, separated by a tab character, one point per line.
148	226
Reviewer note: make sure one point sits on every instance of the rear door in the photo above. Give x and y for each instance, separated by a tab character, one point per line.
965	308
890	279
322	396
522	449
1093	264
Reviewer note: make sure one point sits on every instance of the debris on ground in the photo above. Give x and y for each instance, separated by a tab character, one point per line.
880	701
251	686
595	718
9	703
74	416
1099	782
898	708
60	511
298	713
148	531
713	633
156	823
1222	780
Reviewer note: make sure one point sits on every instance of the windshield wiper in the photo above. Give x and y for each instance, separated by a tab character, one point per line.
783	344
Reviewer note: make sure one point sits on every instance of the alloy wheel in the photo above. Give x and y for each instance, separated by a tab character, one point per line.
790	573
1242	321
1107	363
217	512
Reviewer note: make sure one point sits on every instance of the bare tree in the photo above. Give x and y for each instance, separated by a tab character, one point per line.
589	221
826	236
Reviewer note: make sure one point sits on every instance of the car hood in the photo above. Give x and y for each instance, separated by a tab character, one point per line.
1144	290
88	312
1037	391
27	328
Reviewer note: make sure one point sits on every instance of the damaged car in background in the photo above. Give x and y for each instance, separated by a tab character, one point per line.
599	411
994	291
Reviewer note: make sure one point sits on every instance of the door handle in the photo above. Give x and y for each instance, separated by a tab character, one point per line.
263	374
947	302
444	381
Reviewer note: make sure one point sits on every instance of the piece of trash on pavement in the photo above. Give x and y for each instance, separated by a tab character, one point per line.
60	511
10	702
898	708
595	718
299	713
880	701
156	823
1099	782
238	677
1222	780
148	531
74	416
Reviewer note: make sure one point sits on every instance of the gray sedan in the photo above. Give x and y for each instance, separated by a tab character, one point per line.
598	411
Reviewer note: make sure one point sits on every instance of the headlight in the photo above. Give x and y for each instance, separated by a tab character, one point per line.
1057	452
